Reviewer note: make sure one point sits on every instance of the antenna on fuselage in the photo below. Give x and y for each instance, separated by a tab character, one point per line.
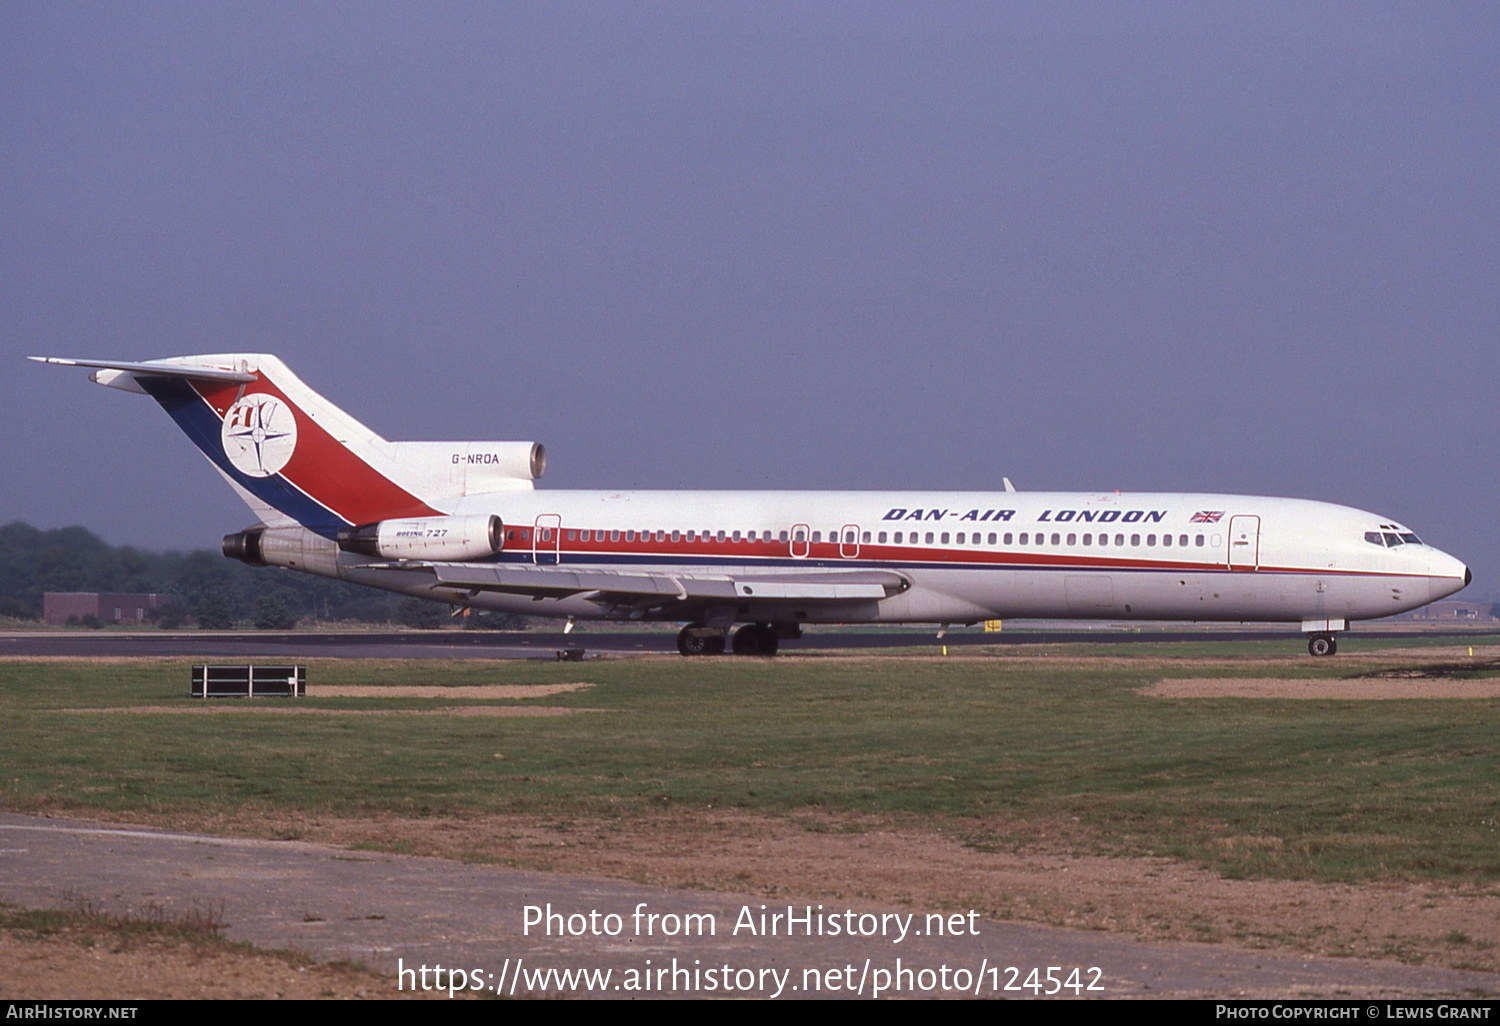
1008	486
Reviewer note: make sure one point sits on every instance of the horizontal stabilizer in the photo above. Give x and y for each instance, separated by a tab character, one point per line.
153	369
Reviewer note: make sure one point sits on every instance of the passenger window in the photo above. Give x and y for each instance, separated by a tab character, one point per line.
992	538
1166	540
945	537
677	536
1072	539
929	537
1056	539
735	536
961	537
783	536
848	537
1024	537
583	535
898	537
1135	539
1119	539
1151	541
526	534
1007	538
630	536
801	536
572	536
817	536
1182	539
865	539
1104	539
721	536
1199	541
510	535
614	536
881	537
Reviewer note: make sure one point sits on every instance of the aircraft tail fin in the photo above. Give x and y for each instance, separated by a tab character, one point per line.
295	457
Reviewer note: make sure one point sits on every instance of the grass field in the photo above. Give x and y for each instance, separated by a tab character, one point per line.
997	748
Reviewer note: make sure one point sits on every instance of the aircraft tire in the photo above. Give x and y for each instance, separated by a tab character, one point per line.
715	645
690	643
769	641
756	639
1322	645
747	640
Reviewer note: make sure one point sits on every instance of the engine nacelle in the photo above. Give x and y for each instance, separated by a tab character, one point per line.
245	546
469	537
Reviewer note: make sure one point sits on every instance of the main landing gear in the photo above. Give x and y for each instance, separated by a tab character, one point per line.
752	639
1322	645
696	640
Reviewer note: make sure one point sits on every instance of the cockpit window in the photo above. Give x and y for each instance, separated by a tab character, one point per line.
1392	540
1411	539
1374	538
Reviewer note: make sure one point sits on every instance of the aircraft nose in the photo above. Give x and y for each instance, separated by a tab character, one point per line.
1446	575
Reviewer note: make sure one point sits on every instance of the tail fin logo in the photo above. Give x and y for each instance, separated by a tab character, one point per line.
259	435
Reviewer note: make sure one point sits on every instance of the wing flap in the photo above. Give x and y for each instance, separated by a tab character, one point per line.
561	582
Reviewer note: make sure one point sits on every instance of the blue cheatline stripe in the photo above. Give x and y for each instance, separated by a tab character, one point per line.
200	423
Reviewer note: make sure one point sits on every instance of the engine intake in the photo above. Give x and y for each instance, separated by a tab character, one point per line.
468	537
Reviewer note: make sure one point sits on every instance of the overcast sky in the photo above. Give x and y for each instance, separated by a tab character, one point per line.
1188	247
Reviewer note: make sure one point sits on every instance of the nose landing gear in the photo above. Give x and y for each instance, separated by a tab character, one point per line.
1322	645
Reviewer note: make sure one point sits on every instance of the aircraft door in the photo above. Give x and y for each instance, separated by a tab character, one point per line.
849	541
1244	543
801	546
546	540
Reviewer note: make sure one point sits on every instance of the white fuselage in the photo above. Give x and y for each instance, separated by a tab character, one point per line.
971	556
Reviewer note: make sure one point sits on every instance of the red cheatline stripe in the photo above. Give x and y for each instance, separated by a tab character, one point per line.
896	557
324	468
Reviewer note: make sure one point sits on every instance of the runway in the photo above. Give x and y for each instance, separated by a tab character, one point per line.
544	644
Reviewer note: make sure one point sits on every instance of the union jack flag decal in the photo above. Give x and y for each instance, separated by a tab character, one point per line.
1207	516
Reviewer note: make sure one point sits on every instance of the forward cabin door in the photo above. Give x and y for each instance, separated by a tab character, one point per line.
1244	543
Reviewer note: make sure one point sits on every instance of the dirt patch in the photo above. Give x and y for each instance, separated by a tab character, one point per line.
473	691
303	710
94	960
1359	689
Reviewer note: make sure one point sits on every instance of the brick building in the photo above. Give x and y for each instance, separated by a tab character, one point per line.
108	606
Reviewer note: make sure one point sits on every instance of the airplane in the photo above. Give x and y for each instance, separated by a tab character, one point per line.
462	523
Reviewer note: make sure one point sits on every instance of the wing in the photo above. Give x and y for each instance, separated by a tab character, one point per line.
610	586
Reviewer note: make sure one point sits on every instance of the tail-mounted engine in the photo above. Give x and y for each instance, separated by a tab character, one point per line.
443	538
245	546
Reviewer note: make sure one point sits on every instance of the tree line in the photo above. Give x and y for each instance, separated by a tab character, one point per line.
207	590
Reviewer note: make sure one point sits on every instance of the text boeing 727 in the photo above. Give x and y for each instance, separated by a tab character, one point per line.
460	523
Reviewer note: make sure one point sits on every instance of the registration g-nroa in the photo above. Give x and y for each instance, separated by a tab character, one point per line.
461	523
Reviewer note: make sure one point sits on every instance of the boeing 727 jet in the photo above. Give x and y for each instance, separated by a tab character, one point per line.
463	524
